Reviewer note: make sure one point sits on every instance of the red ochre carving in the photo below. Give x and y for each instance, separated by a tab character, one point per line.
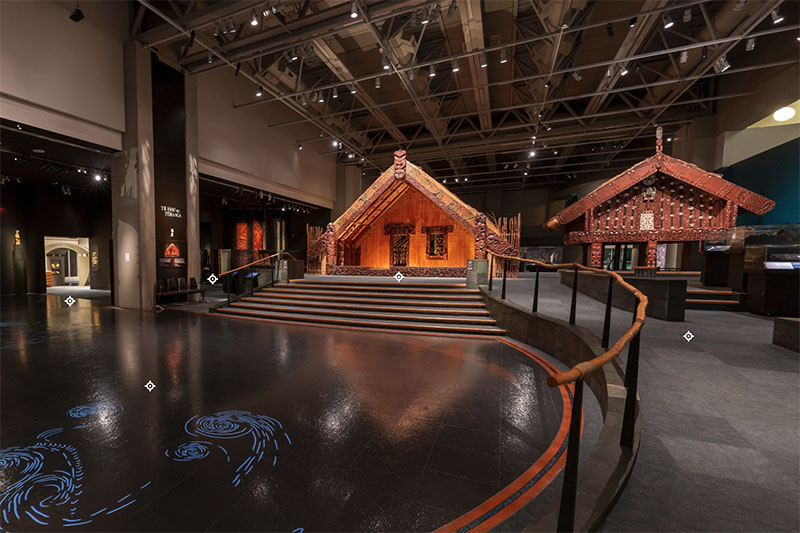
679	202
172	251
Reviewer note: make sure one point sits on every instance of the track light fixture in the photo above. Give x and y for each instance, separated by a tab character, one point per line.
293	54
633	22
750	45
314	97
98	177
385	62
238	68
216	29
77	14
233	26
378	82
547	127
454	64
299	146
254	19
259	91
303	100
335	143
684	56
435	10
425	16
210	58
321	97
777	18
548	84
353	11
610	30
739	4
413	20
484	60
532	153
687	14
503	57
721	64
411	74
432	71
577	76
623	71
704	53
668	22
353	89
335	93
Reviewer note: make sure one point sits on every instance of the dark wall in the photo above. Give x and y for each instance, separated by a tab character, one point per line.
169	162
774	174
41	209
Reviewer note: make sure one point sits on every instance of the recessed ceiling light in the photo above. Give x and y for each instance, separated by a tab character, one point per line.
37	151
783	114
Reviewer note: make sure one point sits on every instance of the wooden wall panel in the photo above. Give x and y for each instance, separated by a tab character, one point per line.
413	207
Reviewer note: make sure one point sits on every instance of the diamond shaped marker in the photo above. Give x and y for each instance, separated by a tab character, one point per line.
149	386
688	336
399	276
212	279
69	301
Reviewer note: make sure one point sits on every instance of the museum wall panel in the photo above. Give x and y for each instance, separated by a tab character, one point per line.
414	208
64	76
238	144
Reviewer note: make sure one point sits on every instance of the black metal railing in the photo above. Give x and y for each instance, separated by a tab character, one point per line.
577	374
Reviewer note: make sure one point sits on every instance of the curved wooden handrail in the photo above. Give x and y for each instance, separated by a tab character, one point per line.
587	367
251	264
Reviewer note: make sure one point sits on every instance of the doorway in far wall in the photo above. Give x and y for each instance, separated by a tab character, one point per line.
67	261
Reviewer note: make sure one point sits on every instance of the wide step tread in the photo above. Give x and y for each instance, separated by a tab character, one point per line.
367	307
349	314
385	288
373	294
441	303
377	284
368	323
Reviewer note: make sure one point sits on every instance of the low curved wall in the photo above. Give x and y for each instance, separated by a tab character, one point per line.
603	475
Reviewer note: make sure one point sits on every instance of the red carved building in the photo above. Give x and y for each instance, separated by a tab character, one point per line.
661	199
409	222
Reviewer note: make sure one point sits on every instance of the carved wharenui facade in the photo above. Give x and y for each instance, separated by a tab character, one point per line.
661	199
409	222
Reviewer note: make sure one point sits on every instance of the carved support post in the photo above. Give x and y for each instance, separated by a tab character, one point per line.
330	248
480	236
652	250
596	256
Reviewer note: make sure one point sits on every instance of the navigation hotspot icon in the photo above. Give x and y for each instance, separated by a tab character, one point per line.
399	276
69	301
212	279
149	386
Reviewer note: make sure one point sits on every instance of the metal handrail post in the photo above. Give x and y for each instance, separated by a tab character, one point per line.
536	291
503	293
574	297
631	381
491	271
566	512
607	321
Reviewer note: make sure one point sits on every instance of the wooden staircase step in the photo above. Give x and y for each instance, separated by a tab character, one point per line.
372	294
380	287
367	307
713	302
365	323
477	304
378	283
704	292
452	319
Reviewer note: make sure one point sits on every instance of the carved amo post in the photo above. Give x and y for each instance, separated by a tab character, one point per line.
400	164
480	236
596	256
330	248
652	251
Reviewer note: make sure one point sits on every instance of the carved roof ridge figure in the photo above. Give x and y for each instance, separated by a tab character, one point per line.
708	182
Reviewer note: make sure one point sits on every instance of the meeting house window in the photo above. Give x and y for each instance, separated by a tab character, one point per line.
436	241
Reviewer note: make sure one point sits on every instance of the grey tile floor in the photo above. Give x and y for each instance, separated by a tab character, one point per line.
721	419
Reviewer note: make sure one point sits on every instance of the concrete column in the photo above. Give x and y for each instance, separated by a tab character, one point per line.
133	191
193	255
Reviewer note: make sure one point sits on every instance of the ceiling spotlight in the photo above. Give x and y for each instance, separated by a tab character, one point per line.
299	146
533	137
777	18
452	9
432	71
350	156
532	154
669	139
555	152
547	127
353	11
321	97
525	173
684	56
750	44
704	53
353	89
293	54
466	179
610	30
233	26
577	76
456	180
435	13
77	14
548	84
210	58
378	82
385	62
503	58
633	22
303	100
444	180
668	23
610	71
260	91
265	13
783	114
335	93
98	177
411	74
254	19
413	20
739	4
721	64
216	29
314	97
623	71
687	14
425	16
484	61
564	26
454	63
335	143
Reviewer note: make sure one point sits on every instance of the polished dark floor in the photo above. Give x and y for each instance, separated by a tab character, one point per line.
254	426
